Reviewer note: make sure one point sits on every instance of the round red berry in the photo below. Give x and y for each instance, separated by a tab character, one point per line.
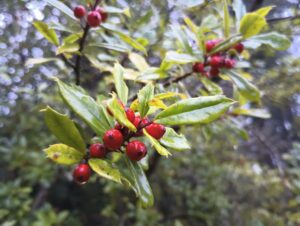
93	19
102	13
97	151
140	124
214	71
136	150
130	115
216	61
198	67
113	139
209	45
156	130
79	11
239	47
82	173
229	63
118	126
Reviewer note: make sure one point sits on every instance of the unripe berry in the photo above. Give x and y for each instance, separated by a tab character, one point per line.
216	61
102	13
229	63
214	71
93	19
82	173
130	115
156	130
198	67
113	139
79	11
239	47
97	151
136	150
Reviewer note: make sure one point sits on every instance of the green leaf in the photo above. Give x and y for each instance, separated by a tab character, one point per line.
239	10
119	113
264	11
140	183
225	45
244	87
251	24
258	113
47	32
110	9
64	129
226	19
62	7
152	73
182	38
144	96
63	154
105	169
85	107
173	57
112	46
175	141
275	40
68	48
138	61
121	87
157	146
34	61
194	110
212	88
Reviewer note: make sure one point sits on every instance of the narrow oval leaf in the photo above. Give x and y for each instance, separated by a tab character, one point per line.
121	87
226	19
175	141
157	146
105	169
112	46
144	96
258	113
34	61
194	110
264	11
68	48
140	183
275	40
64	129
251	24
239	10
119	113
64	154
47	32
62	7
244	87
180	58
85	107
211	87
138	61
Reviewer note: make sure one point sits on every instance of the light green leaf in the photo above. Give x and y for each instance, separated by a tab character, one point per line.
258	113
264	11
47	32
34	61
182	38
152	73
72	38
138	61
251	24
62	7
119	113
144	96
212	88
110	9
239	10
175	141
105	169
194	110
140	183
85	107
244	87
226	19
112	46
226	44
275	40
173	57
63	154
157	146
121	87
68	48
64	129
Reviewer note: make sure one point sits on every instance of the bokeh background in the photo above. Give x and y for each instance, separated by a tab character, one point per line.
224	180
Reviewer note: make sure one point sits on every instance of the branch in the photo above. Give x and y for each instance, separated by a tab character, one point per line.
270	20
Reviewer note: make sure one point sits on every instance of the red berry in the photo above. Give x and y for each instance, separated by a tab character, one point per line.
102	13
130	115
118	126
113	139
214	71
140	124
210	44
198	67
82	173
229	63
216	61
136	150
97	151
156	130
239	47
93	19
79	11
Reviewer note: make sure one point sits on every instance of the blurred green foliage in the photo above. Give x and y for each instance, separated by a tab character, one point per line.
224	180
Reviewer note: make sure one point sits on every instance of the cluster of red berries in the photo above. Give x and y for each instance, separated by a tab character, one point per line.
93	18
212	64
119	136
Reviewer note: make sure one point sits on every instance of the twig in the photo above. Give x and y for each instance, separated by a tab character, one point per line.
271	20
67	62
